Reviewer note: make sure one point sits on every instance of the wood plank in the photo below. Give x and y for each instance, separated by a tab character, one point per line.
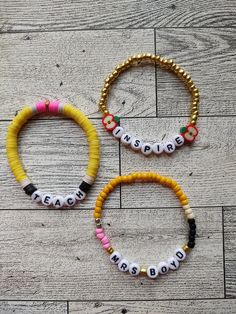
230	249
55	155
44	15
72	66
206	170
53	255
154	307
209	56
33	307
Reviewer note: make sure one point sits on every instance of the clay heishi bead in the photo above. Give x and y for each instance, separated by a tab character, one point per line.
118	132
152	272
58	201
157	148
146	149
126	139
37	196
169	147
163	268
123	265
70	200
178	140
180	254
47	199
136	144
115	257
80	195
30	189
173	263
134	269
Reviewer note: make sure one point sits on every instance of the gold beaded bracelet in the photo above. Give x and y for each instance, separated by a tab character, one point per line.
111	123
115	257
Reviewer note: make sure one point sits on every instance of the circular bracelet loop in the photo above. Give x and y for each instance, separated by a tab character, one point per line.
187	134
115	257
52	107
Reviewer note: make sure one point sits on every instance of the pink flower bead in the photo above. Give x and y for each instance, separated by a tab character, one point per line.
106	246
105	240
100	235
99	230
41	106
54	106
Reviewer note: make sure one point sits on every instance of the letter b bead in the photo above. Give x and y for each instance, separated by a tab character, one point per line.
152	272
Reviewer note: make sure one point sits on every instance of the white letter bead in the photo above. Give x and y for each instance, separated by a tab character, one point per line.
47	199
180	254
58	201
70	200
163	268
173	263
134	269
126	139
118	131
157	148
115	257
79	195
169	147
178	140
136	144
123	265
37	196
146	149
152	272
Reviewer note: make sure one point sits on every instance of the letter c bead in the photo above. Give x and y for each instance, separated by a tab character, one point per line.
70	200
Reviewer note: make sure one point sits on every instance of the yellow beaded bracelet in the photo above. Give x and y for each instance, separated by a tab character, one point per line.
115	257
52	107
187	134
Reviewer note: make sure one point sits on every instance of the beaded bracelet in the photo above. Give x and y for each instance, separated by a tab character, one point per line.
53	107
115	257
187	133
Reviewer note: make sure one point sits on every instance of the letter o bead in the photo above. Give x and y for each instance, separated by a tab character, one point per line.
134	269
163	268
152	272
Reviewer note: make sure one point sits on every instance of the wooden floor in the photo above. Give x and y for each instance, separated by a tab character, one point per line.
50	261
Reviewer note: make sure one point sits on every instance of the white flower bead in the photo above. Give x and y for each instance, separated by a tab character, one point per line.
123	265
163	268
146	149
115	257
169	147
180	254
173	263
37	196
136	144
47	199
118	131
58	201
152	272
178	140
80	195
134	269
126	139
157	148
70	200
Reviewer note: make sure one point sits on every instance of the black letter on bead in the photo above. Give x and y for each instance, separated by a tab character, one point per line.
173	264
124	266
164	269
79	194
118	131
170	147
70	201
178	140
179	254
36	196
116	259
57	202
147	148
46	199
152	272
134	270
137	143
127	138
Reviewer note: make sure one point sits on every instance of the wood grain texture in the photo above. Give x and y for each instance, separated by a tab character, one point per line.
46	15
209	56
230	250
55	155
72	66
53	255
34	307
155	307
206	170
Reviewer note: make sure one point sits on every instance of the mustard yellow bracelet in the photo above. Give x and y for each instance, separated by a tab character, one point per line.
187	134
116	258
53	107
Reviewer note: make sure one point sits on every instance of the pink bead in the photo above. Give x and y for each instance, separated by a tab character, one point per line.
54	106
99	230
106	246
100	235
105	240
41	106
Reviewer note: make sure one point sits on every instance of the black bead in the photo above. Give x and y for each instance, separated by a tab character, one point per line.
192	227
84	186
191	221
30	189
191	238
192	231
191	244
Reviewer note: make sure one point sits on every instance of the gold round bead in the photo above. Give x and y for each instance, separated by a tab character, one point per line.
194	112
110	250
194	108
143	270
106	111
193	122
194	117
186	248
